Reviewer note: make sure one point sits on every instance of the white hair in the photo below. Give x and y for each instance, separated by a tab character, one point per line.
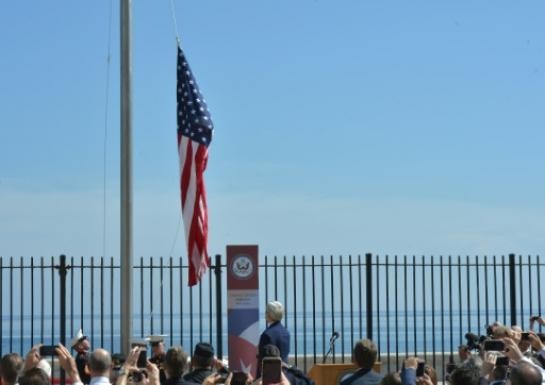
45	366
275	310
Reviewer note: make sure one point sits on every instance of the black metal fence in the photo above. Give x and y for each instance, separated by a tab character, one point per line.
408	305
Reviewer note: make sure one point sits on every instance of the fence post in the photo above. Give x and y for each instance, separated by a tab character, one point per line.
513	289
219	315
63	270
369	294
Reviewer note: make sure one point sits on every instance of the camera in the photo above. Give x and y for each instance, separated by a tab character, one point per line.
474	341
494	346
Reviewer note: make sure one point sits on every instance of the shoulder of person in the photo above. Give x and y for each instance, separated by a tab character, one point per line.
184	382
299	376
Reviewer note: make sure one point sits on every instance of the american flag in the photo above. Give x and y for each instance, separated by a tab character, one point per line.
194	135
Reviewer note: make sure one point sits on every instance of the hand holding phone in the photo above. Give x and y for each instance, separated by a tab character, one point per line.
494	346
138	376
271	370
502	361
48	350
420	369
239	378
143	355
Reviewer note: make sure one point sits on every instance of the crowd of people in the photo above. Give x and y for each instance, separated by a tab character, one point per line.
503	356
163	367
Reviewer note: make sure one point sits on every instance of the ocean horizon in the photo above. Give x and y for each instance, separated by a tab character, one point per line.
408	333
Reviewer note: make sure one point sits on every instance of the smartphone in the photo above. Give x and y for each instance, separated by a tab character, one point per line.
525	336
534	318
271	370
143	356
420	369
239	378
502	361
494	346
48	350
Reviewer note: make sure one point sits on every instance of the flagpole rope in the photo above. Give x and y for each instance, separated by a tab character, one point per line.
106	115
176	235
174	21
175	24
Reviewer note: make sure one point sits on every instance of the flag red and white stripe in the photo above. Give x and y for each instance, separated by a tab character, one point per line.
194	135
193	158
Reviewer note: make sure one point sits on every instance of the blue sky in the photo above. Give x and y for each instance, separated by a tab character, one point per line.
341	126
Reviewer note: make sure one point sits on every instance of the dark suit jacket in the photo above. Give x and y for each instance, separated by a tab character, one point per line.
179	381
276	334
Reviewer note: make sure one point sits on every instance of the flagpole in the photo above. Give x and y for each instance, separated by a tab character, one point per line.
126	177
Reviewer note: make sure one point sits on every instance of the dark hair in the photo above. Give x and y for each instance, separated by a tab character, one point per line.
203	355
365	353
10	366
175	362
269	350
465	375
524	373
201	362
34	376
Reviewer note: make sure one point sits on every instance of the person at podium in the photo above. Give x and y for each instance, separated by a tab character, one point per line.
364	356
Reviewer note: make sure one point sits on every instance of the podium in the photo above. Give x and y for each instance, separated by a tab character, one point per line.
332	374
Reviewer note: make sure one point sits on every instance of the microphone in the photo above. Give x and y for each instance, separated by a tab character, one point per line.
332	340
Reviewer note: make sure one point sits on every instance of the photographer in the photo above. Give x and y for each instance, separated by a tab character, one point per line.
292	374
149	376
202	363
409	375
33	375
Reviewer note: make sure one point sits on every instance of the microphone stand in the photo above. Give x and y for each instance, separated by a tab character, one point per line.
331	345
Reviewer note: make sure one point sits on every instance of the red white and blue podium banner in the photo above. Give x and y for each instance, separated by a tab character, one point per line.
242	307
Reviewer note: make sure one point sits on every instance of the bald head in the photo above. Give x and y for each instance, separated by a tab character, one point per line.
99	363
525	373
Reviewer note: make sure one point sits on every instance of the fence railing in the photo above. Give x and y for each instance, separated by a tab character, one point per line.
408	305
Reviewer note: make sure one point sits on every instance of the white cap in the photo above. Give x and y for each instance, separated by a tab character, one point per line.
156	338
77	338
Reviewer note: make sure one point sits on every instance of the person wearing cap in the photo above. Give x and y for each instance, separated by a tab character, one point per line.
158	354
202	363
275	334
81	345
